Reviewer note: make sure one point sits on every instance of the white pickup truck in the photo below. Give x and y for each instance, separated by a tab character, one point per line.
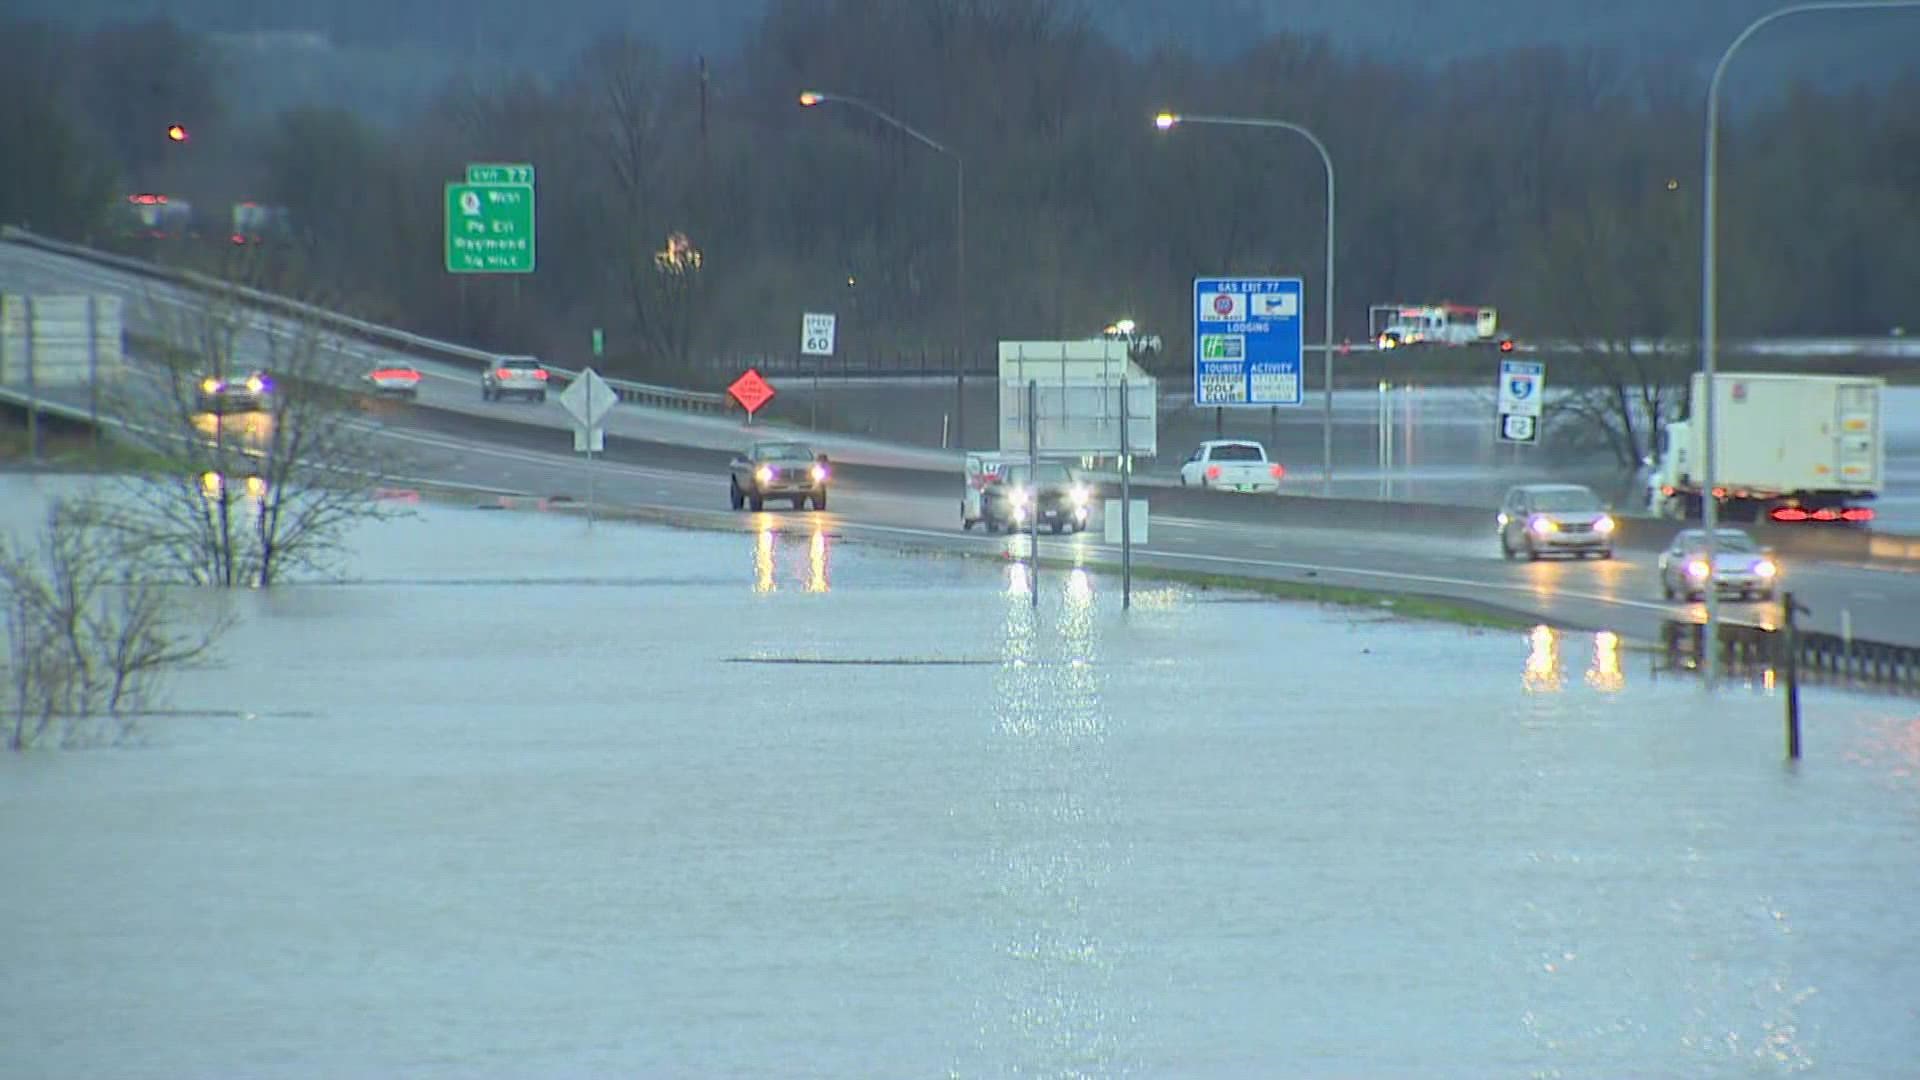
1231	465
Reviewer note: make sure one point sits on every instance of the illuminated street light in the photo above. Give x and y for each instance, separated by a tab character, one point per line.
810	98
177	132
1125	326
1165	122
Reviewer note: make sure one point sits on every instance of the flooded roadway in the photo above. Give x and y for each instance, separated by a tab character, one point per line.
515	797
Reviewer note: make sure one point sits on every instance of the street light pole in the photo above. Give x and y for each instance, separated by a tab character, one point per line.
811	98
1165	122
1709	322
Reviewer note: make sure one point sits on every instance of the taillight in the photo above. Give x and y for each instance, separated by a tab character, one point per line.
1788	513
1826	513
1213	472
503	373
541	374
1278	471
1856	513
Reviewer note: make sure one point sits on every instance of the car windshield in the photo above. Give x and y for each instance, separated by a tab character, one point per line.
1238	452
1045	474
1725	539
1565	500
786	451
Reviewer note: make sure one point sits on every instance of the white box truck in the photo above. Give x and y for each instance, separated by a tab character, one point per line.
1788	447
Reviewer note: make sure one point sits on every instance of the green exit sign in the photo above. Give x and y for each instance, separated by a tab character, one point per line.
490	229
499	174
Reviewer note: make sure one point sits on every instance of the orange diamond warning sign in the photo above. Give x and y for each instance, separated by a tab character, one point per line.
751	391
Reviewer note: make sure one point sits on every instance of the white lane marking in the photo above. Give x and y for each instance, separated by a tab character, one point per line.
1322	568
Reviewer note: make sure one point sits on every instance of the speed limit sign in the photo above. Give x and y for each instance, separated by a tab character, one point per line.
816	334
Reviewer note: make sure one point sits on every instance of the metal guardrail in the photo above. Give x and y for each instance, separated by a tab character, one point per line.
1832	658
636	392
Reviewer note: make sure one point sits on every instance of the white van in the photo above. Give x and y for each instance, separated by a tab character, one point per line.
984	469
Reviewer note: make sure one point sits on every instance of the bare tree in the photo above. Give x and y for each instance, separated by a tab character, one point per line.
1614	284
88	637
273	458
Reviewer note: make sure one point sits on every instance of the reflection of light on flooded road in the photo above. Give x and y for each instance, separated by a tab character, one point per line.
1605	674
817	562
1049	1011
1543	660
815	576
763	560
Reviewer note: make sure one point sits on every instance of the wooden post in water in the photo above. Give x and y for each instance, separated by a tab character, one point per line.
1793	677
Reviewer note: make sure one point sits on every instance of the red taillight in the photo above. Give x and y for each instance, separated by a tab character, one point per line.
1856	513
503	373
541	374
397	373
1213	472
237	238
1278	471
1826	513
1667	490
1788	513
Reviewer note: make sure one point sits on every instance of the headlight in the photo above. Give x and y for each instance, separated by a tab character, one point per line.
210	483
254	384
1604	525
1080	496
819	474
1018	496
764	474
1697	568
1543	526
1765	568
210	385
256	487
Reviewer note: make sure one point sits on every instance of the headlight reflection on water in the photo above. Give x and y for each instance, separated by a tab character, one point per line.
816	577
1544	675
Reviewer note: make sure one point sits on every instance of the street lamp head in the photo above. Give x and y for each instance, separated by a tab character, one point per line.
810	98
1166	120
177	132
1125	326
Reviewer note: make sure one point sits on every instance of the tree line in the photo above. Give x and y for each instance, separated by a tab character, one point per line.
1560	185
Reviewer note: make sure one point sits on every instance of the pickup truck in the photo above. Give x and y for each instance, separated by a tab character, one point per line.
1231	465
1046	493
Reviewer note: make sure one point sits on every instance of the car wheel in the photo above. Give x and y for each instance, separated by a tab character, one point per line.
820	499
734	495
1606	554
1506	549
757	502
1533	553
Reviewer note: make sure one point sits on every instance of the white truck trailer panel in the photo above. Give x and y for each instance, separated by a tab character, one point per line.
68	339
1792	433
1079	398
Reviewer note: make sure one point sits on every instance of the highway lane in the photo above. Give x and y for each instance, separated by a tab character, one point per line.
893	491
1620	595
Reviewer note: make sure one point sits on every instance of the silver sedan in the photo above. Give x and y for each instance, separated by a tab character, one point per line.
1740	566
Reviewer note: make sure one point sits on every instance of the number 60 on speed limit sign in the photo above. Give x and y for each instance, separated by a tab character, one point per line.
816	334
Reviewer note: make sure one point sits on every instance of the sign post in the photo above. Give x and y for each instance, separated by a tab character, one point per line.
1246	342
599	343
816	340
1033	477
1126	506
588	400
489	221
1522	384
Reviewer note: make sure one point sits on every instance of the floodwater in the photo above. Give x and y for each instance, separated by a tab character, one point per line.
519	798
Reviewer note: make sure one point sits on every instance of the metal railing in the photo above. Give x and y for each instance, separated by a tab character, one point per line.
346	325
1831	658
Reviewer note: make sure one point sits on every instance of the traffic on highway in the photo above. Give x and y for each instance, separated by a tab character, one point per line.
658	459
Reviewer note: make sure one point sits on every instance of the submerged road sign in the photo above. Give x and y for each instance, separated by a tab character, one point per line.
1246	341
1521	384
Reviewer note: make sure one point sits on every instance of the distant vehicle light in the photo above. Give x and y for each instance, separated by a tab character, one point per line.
1213	472
1857	513
1081	495
764	474
210	385
1765	568
1604	525
1278	470
1019	496
256	384
1697	568
819	474
503	373
540	373
1543	526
